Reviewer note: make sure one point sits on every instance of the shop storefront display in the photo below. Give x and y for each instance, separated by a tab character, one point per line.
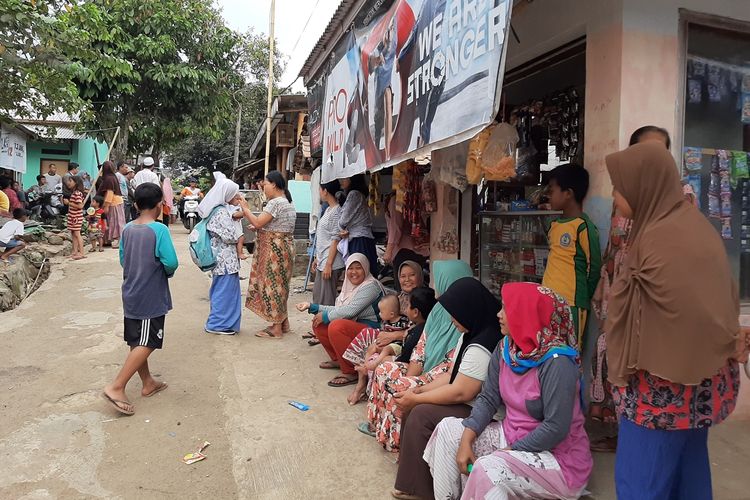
513	247
717	140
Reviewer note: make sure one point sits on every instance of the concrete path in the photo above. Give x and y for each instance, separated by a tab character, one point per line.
60	440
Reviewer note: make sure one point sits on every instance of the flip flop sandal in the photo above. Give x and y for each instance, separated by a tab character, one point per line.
364	428
115	403
313	342
328	365
268	330
157	390
308	335
265	335
346	382
404	496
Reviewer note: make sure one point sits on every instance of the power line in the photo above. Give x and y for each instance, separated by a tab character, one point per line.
305	27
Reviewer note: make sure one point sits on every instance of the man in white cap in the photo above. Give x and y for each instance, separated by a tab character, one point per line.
146	173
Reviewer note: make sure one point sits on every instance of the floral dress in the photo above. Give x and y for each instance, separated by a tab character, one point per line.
390	378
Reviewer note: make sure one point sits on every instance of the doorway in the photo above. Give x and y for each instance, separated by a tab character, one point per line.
62	166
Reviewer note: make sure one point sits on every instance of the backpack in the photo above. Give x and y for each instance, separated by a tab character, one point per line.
200	244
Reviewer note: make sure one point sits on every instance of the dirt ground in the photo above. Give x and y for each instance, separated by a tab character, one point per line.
60	440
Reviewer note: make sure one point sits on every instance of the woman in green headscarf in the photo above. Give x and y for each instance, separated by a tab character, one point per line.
431	357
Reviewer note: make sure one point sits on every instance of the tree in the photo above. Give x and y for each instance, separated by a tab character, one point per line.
38	72
201	151
164	70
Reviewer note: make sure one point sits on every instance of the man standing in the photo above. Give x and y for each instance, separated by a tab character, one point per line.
52	179
123	169
146	173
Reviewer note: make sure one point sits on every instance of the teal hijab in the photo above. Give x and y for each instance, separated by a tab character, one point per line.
442	336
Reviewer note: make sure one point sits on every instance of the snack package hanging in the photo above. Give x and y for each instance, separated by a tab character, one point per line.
696	182
726	228
429	195
498	160
726	204
693	158
714	206
739	167
477	146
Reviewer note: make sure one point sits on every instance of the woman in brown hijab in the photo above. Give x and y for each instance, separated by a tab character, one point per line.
673	330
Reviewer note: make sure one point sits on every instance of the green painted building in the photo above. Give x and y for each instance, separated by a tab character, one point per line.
63	147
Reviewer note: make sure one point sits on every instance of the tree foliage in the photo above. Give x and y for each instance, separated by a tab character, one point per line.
163	70
36	60
200	150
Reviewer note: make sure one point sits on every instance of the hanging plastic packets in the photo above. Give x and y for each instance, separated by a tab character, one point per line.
695	181
745	108
499	157
714	83
739	167
714	190
726	228
693	158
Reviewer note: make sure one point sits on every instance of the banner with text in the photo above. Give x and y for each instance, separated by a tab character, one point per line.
12	150
409	77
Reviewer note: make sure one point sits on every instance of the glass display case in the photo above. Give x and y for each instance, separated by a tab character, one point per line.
513	247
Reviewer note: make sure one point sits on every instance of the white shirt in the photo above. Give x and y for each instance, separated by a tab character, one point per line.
10	230
52	181
314	200
146	175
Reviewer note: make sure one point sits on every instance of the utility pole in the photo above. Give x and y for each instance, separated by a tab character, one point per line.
270	84
236	161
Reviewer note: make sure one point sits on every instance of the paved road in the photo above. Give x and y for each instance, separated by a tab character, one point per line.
60	440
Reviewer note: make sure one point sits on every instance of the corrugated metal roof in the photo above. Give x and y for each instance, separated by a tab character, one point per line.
337	26
61	133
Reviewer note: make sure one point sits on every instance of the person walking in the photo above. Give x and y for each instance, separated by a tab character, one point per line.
673	333
146	173
273	262
225	294
123	169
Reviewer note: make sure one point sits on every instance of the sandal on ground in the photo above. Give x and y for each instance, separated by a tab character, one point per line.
160	388
329	365
403	496
268	329
346	381
115	403
308	335
313	342
364	428
263	334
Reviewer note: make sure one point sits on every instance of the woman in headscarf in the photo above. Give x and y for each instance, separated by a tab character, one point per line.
356	308
114	208
602	406
452	394
672	332
168	205
355	221
538	448
430	359
273	263
410	277
225	295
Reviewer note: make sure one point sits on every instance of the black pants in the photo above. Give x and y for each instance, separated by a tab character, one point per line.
413	475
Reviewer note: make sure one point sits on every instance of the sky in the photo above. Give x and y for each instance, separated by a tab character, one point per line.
291	16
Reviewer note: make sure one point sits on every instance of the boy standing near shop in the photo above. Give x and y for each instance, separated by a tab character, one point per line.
148	259
574	260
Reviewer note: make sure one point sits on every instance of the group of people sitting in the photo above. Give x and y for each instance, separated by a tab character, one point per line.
436	371
482	399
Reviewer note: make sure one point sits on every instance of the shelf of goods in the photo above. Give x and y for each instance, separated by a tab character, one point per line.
513	247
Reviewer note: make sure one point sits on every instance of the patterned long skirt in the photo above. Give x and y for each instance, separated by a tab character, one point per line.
270	277
390	378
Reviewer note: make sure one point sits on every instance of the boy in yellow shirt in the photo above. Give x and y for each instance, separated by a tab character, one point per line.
574	261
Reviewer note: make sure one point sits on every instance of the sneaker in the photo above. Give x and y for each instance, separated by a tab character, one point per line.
219	332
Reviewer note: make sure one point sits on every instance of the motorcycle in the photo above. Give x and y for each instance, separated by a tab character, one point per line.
190	215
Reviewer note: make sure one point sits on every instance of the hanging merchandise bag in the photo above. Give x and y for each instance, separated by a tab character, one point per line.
476	149
499	157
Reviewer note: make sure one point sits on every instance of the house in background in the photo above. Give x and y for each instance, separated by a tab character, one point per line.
61	148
